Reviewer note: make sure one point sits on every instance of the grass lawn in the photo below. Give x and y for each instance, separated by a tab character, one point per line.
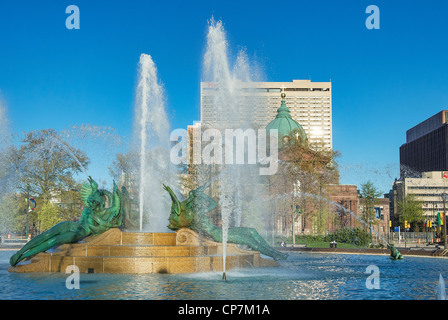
323	244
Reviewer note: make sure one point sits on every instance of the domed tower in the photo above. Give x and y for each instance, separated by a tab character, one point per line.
285	124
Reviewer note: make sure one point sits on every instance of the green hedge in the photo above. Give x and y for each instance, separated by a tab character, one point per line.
355	236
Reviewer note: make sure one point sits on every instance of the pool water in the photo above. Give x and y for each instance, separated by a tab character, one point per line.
312	276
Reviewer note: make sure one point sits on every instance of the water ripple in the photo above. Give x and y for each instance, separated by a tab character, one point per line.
302	277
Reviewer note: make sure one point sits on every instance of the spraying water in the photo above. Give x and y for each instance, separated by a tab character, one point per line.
6	171
339	206
231	110
440	289
318	197
4	125
58	140
153	144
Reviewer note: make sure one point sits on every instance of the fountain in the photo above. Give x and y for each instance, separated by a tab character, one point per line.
152	135
109	250
198	244
440	289
231	111
197	241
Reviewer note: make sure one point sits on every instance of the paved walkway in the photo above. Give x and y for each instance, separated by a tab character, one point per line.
411	249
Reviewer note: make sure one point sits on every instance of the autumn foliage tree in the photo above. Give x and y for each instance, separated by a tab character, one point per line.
311	168
45	169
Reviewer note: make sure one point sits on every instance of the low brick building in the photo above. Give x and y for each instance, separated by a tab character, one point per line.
346	199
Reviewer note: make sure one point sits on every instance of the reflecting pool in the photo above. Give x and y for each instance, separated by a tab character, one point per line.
312	276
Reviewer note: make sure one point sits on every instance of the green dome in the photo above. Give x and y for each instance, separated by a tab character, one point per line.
285	124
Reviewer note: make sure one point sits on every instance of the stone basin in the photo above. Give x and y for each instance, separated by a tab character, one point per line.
121	252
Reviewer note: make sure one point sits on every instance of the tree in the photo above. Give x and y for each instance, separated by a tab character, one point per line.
12	213
411	210
46	166
48	215
369	193
8	169
71	203
312	167
12	205
124	168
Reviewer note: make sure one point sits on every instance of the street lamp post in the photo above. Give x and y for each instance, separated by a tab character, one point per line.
294	211
27	229
444	198
370	199
405	226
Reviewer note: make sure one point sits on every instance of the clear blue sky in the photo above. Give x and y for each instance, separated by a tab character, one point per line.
384	81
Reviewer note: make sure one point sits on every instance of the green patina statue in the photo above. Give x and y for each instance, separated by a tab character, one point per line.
192	213
394	253
95	219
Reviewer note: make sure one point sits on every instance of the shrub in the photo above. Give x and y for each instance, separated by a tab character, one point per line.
356	236
353	236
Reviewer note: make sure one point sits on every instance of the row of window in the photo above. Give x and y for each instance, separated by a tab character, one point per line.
274	90
427	194
428	187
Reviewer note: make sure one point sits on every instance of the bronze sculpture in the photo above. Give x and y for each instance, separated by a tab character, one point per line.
95	219
192	213
394	253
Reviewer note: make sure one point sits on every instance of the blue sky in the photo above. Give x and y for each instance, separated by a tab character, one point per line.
384	81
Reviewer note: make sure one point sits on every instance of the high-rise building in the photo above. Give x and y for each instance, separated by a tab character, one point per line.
310	104
429	190
426	147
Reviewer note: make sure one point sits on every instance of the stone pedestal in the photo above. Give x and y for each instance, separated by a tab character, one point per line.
138	252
